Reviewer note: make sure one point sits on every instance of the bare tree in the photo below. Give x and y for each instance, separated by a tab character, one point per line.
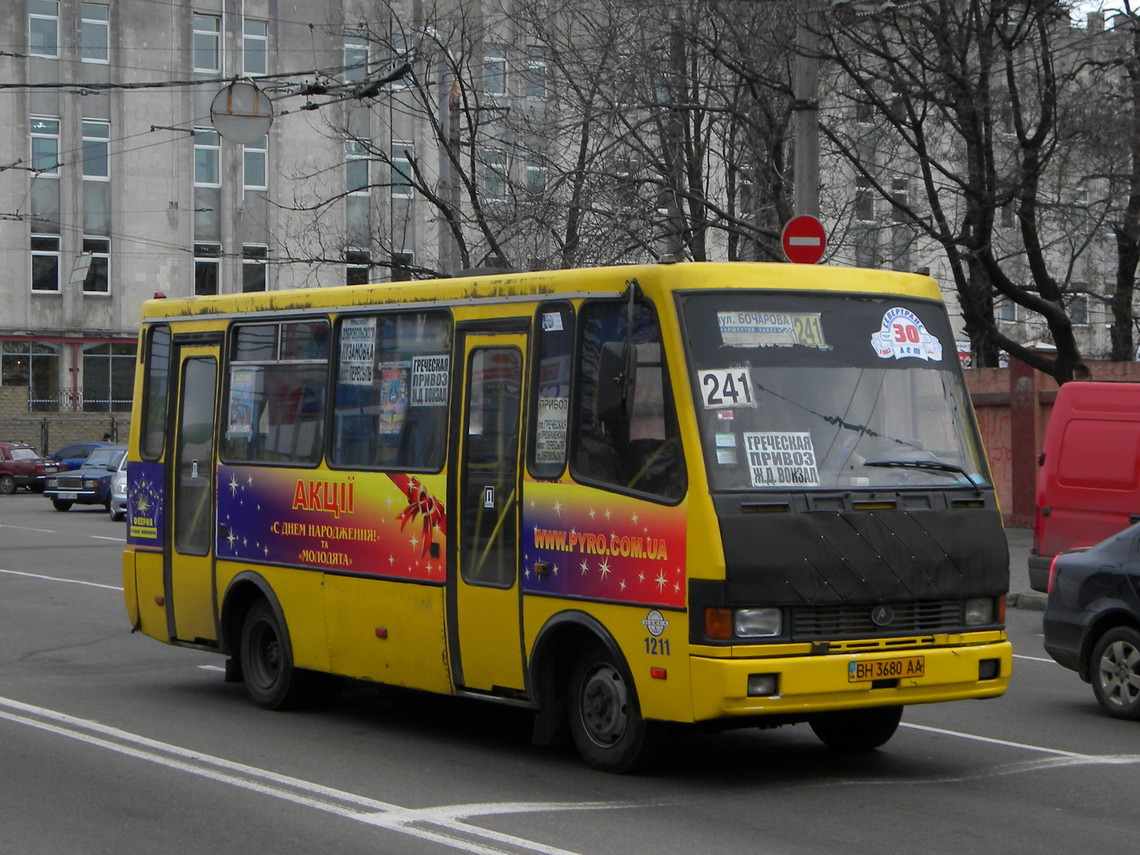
969	99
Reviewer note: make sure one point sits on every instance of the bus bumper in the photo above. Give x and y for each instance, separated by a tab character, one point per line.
806	684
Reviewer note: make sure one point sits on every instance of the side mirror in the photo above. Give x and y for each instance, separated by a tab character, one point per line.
617	376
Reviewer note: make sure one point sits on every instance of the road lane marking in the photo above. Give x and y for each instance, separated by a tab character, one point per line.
29	528
1034	659
107	537
444	824
1096	759
58	579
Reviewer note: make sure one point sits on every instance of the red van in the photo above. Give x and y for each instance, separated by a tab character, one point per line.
1088	481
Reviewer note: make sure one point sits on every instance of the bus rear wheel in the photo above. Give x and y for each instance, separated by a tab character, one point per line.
856	730
266	660
605	720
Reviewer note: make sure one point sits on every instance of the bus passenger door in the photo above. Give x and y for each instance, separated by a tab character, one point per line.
485	622
190	491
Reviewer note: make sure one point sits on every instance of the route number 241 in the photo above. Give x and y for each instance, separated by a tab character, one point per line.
727	387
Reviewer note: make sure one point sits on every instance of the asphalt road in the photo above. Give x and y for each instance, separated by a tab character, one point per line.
113	743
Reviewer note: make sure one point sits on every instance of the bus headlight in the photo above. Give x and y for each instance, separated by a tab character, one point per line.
980	611
757	623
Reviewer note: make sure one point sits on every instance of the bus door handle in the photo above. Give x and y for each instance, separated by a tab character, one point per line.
542	568
223	531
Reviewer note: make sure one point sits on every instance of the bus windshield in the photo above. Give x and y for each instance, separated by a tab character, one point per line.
807	391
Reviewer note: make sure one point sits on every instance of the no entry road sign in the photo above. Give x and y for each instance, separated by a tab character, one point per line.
804	240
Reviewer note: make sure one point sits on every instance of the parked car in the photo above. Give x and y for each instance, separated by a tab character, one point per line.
118	507
90	484
1091	619
21	466
75	455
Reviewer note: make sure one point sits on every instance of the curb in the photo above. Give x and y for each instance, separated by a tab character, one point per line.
1029	602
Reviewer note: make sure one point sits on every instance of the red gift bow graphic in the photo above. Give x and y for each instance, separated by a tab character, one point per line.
421	502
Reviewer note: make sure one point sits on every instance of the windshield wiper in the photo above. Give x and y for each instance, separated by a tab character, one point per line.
934	465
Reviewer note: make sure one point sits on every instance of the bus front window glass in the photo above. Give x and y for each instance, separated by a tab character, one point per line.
393	376
804	391
275	409
635	445
156	388
554	348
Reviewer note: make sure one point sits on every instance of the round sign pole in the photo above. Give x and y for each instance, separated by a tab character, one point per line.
804	240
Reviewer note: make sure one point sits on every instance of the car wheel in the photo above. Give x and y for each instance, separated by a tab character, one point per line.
856	730
1115	671
7	485
62	504
605	720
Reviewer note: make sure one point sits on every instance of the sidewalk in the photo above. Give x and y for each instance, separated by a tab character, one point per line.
1021	596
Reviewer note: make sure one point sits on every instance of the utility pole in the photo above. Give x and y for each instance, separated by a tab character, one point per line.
805	160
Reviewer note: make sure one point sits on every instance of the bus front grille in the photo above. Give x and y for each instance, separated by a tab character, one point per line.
838	621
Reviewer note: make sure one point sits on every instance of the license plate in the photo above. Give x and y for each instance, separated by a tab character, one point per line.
886	669
67	496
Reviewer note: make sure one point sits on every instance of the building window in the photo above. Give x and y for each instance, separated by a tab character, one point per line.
45	264
255	47
254	163
355	59
536	72
108	377
536	176
495	70
864	199
401	170
207	158
35	367
43	28
402	266
207	268
96	142
95	33
1005	310
1079	309
355	166
45	145
359	269
97	253
495	173
207	43
253	261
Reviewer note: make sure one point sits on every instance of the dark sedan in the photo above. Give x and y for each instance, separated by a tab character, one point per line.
90	484
1092	620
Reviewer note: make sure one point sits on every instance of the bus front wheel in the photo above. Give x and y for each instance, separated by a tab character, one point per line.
857	730
266	661
605	721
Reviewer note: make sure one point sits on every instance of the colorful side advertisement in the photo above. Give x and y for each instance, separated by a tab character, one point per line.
602	546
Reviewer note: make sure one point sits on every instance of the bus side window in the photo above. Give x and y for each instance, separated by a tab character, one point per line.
638	448
554	350
275	403
156	389
393	375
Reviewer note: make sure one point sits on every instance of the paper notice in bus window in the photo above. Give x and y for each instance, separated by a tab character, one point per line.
430	376
550	441
242	384
357	351
770	329
393	397
551	321
781	459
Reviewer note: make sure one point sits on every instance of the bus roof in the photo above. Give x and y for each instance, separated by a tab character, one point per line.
551	284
